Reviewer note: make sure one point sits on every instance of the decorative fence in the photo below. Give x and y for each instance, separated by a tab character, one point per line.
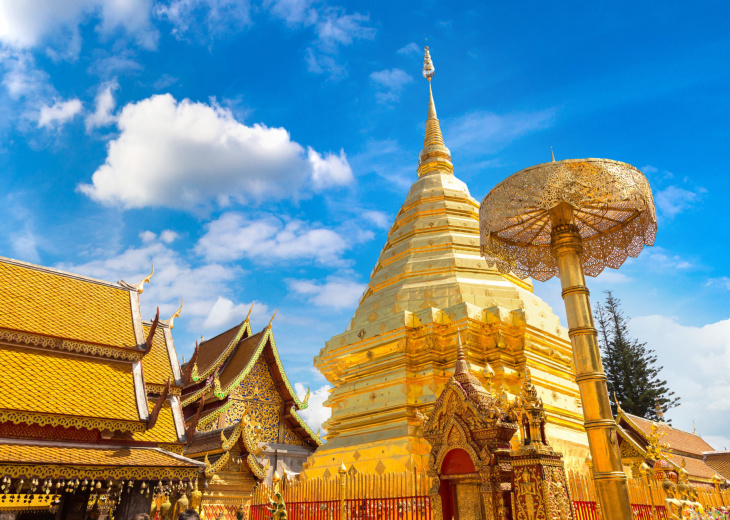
390	496
404	496
647	498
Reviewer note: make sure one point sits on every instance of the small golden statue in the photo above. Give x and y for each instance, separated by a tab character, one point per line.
181	504
277	507
674	508
196	497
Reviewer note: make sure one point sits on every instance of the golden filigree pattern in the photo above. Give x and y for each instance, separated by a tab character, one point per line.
613	211
258	384
157	389
88	423
267	416
36	340
98	472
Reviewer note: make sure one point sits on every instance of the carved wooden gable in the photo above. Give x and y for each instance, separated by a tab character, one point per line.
258	396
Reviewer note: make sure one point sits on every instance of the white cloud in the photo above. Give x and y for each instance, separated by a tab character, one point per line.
411	49
390	83
105	103
316	413
335	28
380	219
337	293
29	23
723	281
293	12
331	170
224	313
147	236
480	132
22	79
695	361
187	154
217	17
59	113
269	239
168	236
674	200
201	286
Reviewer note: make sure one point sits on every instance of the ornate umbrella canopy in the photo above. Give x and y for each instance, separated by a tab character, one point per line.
613	209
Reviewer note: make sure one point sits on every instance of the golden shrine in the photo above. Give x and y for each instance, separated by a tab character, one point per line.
398	351
90	416
243	409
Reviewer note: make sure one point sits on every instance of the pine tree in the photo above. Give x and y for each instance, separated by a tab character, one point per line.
631	369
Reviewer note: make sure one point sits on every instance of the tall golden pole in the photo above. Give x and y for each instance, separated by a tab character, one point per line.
569	219
608	475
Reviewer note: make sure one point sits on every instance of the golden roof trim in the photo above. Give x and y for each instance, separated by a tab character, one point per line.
155	389
59	272
55	471
89	423
19	338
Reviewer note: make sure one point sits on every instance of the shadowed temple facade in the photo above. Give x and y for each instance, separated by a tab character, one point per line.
398	351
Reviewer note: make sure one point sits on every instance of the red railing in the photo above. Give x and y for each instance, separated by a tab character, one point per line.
585	510
400	508
403	508
316	510
643	512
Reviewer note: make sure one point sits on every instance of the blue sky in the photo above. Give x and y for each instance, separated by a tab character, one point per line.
258	151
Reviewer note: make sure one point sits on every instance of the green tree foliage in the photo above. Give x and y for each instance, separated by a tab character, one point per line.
631	369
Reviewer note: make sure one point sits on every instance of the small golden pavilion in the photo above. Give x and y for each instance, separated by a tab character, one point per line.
90	413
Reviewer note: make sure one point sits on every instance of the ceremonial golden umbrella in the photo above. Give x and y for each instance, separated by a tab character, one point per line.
567	218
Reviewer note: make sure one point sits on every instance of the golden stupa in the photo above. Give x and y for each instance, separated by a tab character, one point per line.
399	349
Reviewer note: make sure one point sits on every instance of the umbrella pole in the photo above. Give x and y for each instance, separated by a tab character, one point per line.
608	474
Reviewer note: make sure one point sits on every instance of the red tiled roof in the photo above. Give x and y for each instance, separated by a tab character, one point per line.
720	462
678	440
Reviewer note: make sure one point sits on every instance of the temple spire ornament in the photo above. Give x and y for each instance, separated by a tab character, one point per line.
434	156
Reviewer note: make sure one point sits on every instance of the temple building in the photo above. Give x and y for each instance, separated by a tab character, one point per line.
90	415
643	440
244	411
398	351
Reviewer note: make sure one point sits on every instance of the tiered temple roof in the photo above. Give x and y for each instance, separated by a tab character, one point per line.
231	372
243	411
89	389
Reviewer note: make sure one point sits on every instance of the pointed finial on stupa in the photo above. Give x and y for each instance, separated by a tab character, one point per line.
552	153
462	367
435	155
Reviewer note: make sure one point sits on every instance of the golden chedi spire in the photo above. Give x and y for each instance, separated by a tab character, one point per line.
434	156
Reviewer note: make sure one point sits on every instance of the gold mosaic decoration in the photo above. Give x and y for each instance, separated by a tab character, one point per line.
613	208
70	422
99	472
259	385
35	340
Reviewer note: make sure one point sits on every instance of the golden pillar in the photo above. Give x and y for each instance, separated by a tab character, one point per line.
571	218
608	474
